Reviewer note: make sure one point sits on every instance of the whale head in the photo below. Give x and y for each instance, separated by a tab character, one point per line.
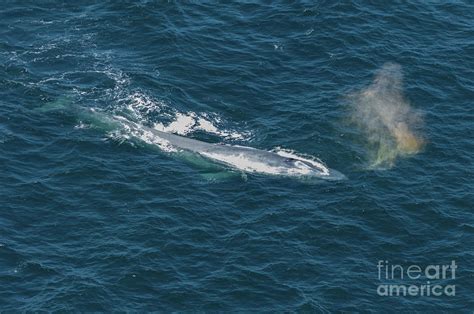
312	168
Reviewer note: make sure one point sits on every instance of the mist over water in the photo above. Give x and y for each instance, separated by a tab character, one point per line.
390	125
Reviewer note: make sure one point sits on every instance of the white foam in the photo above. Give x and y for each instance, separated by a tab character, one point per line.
185	123
82	125
141	105
208	126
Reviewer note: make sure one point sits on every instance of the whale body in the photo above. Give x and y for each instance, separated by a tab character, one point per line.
242	158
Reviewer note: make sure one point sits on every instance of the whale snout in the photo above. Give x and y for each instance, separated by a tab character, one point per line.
315	169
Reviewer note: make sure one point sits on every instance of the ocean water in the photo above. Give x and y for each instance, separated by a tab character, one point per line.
98	220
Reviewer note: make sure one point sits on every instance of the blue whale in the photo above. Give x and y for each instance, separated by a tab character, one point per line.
238	157
241	158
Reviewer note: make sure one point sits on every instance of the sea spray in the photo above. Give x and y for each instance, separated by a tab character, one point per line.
143	108
390	125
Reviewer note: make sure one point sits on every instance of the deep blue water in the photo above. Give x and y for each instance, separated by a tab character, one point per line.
91	221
